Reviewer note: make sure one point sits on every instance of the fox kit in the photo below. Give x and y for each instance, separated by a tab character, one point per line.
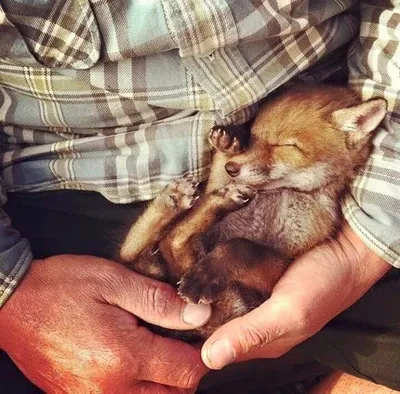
268	200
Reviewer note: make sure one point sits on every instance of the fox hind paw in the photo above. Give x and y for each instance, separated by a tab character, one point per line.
182	194
201	286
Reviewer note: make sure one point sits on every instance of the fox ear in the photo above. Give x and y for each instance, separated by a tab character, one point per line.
361	120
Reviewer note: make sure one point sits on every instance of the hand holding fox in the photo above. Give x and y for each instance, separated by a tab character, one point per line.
316	287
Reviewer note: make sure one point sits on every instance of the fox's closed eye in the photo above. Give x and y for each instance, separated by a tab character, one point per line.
292	145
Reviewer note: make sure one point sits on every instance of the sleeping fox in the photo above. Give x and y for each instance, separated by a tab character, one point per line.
268	200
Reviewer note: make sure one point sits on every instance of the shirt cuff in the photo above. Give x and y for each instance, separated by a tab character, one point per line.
356	218
15	258
372	209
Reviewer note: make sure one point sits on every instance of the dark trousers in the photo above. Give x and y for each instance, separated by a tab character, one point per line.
363	341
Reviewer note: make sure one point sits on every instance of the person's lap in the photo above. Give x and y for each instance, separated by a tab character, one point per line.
364	340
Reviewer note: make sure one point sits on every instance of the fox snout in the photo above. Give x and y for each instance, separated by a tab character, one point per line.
248	173
232	168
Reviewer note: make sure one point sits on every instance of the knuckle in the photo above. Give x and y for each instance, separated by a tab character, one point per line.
100	367
254	337
158	299
111	361
109	280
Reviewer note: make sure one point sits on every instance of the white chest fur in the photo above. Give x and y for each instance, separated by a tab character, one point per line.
286	220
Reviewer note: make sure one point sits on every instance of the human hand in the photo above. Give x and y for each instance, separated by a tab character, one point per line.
71	327
315	288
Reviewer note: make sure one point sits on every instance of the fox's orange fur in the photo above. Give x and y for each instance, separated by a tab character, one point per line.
277	196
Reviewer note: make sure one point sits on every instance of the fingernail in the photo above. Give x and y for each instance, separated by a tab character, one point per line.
196	314
219	354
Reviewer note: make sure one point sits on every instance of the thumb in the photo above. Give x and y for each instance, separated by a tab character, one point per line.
154	302
265	325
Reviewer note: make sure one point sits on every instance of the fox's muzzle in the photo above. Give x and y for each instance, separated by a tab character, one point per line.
232	168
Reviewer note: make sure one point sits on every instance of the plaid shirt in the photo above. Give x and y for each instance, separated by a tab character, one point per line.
119	99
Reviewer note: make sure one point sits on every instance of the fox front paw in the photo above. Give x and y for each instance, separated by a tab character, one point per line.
223	139
235	195
182	194
201	285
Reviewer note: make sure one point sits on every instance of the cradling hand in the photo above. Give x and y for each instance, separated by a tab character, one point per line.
72	326
316	287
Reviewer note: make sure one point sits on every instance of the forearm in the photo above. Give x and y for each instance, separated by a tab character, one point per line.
370	267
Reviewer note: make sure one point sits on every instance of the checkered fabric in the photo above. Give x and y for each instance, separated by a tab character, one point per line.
117	97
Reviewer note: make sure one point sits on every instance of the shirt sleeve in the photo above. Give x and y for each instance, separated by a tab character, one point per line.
51	33
15	254
74	34
201	27
373	207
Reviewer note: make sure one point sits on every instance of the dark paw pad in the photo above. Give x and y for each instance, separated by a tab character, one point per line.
201	285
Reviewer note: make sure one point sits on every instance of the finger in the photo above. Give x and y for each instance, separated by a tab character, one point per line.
169	362
155	302
274	324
